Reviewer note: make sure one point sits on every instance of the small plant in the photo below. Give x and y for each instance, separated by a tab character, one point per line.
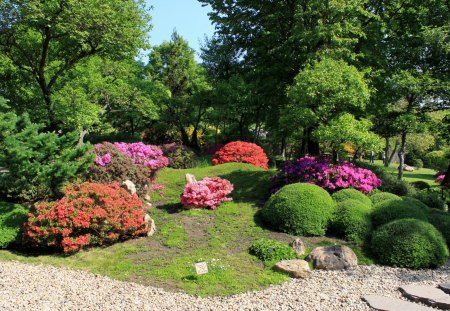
409	243
390	210
179	156
12	218
353	221
89	214
352	194
271	251
243	152
206	193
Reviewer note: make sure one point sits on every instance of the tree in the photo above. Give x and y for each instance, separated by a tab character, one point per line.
42	40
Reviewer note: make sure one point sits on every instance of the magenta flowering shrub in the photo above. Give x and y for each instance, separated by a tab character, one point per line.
440	178
331	177
102	160
142	154
206	193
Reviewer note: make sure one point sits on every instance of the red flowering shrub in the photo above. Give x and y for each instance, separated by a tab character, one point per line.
239	151
88	214
208	192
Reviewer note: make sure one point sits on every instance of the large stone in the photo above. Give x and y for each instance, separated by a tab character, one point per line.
190	178
335	257
150	223
296	268
429	295
298	247
130	186
392	304
408	168
445	287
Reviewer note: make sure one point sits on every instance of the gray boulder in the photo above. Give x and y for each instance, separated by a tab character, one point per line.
337	257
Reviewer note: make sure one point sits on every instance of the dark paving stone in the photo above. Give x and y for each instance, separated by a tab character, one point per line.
392	304
429	295
445	287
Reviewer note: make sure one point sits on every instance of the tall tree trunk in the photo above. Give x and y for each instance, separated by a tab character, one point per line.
386	152
52	124
194	140
391	156
304	146
401	156
80	142
283	147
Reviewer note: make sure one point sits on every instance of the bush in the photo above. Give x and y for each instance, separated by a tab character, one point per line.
243	152
390	210
441	221
409	243
436	160
415	202
383	196
351	194
206	193
431	198
180	156
271	251
420	185
300	209
331	177
352	220
38	164
12	218
412	159
89	214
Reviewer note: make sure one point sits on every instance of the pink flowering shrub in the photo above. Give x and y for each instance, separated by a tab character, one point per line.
331	177
440	178
142	154
206	193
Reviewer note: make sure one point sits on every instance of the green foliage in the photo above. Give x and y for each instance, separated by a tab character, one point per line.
437	160
441	221
383	196
271	250
393	209
415	202
12	217
420	185
431	198
300	209
179	156
409	243
352	220
38	163
352	194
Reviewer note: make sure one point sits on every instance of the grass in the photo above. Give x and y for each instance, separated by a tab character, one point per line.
421	174
220	237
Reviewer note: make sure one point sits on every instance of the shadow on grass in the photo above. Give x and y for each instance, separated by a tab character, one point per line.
420	176
249	186
171	208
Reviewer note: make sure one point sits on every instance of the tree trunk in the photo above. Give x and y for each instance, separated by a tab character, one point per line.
391	157
401	156
81	139
386	152
283	147
52	124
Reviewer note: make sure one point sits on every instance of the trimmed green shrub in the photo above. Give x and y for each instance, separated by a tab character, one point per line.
12	218
409	243
431	198
390	210
413	201
441	221
383	196
300	209
268	250
351	194
352	220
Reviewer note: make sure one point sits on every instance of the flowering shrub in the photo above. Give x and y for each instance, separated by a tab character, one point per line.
179	156
88	214
206	193
319	171
239	151
440	179
142	154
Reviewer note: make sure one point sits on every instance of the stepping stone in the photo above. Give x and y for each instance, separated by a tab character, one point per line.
445	287
392	304
429	295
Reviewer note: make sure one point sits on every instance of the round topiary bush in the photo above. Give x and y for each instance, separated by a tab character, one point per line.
352	220
383	196
441	221
300	209
243	152
270	250
351	194
390	210
413	201
409	243
431	199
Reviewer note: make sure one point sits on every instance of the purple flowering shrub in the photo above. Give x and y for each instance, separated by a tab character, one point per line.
142	154
331	177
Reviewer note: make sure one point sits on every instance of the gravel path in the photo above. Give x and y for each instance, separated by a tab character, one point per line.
29	287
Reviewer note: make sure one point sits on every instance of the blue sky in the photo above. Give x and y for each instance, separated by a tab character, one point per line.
188	17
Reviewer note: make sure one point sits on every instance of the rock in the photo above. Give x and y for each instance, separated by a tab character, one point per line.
408	168
298	247
392	304
445	287
335	257
148	205
190	178
147	198
130	186
428	295
296	268
150	225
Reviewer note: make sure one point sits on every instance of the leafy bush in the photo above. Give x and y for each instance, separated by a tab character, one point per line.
390	210
206	193
38	164
437	160
409	243
12	218
414	201
329	176
179	156
420	185
142	154
351	194
300	209
431	198
243	152
383	196
352	220
441	221
271	251
89	214
412	159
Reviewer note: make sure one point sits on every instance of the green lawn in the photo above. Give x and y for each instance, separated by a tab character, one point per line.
423	174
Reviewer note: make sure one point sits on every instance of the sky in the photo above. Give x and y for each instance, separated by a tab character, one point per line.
188	17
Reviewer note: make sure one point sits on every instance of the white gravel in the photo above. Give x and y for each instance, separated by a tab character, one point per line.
30	287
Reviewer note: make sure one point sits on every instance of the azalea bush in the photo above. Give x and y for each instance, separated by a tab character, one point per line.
89	214
331	177
206	193
179	156
243	152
